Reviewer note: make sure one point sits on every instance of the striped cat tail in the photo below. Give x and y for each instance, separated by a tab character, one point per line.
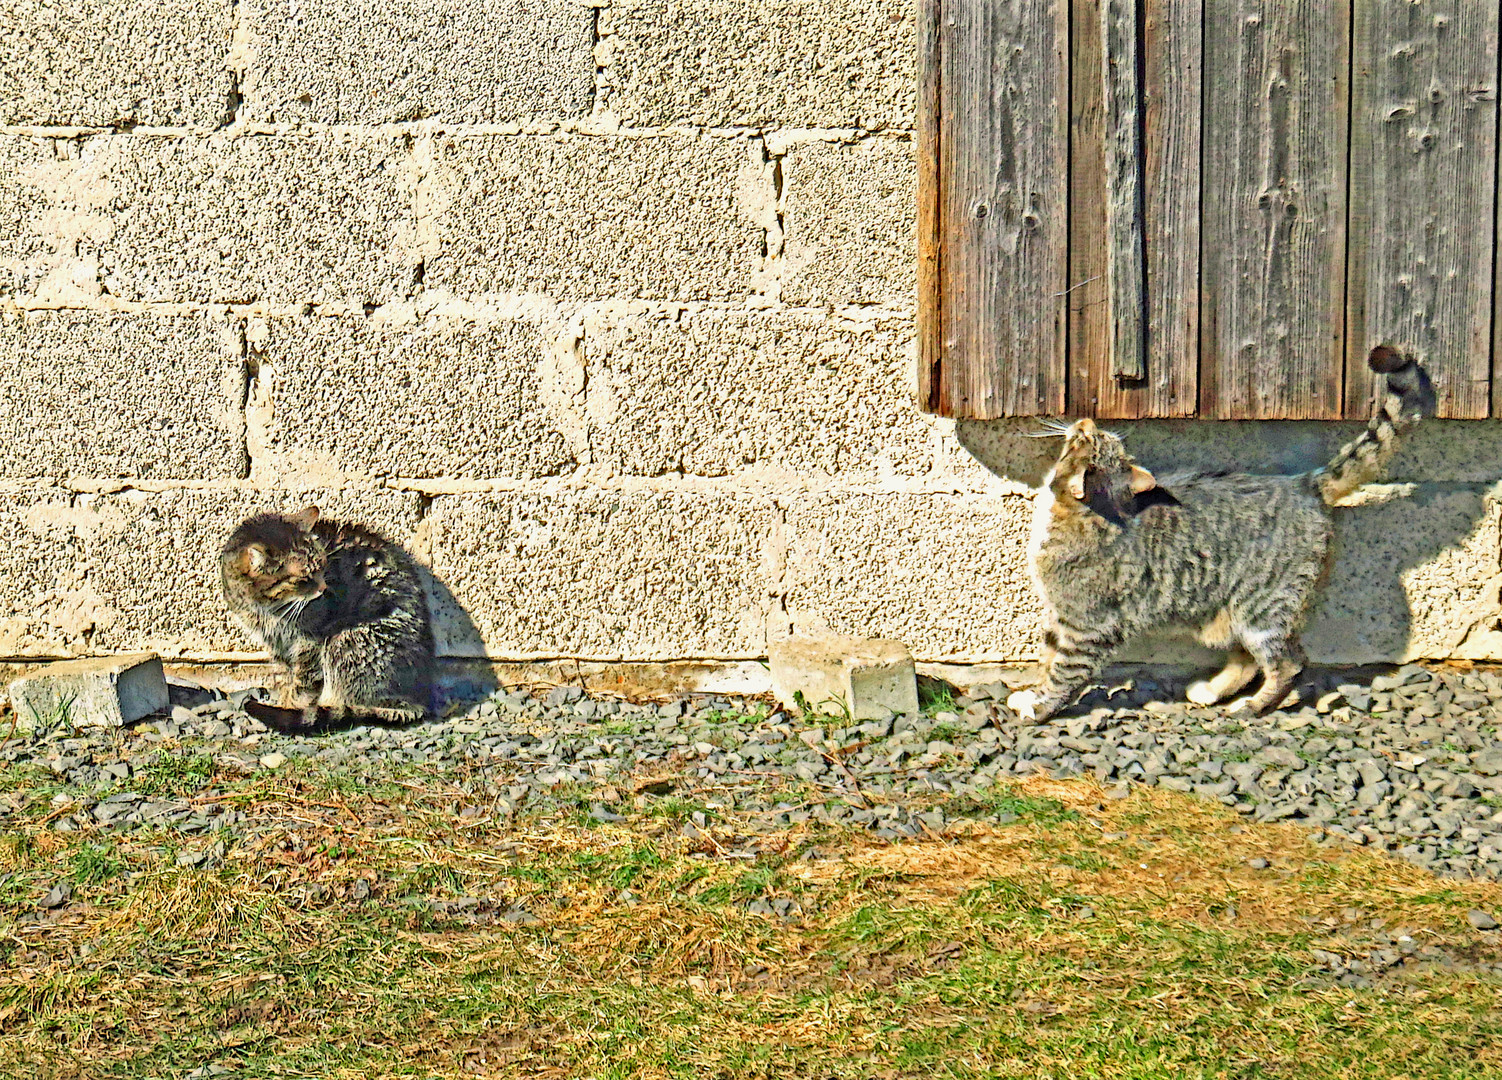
1406	398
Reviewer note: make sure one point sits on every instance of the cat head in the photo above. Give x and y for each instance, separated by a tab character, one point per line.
275	560
1095	472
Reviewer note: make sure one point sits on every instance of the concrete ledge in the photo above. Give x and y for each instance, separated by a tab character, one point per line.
118	395
104	691
116	62
339	397
795	63
863	678
945	574
679	217
715	392
373	62
294	219
850	223
641	575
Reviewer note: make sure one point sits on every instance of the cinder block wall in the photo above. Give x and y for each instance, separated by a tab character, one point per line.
606	310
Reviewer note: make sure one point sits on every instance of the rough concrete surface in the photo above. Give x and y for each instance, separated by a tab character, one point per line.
946	574
849	222
609	574
115	63
795	63
437	398
373	62
44	592
280	219
711	392
681	217
99	691
153	560
82	404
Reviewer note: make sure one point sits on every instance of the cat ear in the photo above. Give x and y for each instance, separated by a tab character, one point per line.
1142	480
1077	485
255	558
305	519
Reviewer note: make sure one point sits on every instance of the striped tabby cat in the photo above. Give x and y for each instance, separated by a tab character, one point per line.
1116	552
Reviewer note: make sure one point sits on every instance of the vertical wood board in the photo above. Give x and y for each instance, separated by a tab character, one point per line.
1171	93
930	250
1125	276
1423	161
1002	179
1275	132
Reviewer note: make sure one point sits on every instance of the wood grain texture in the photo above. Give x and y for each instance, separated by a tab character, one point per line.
1423	160
1125	275
1003	179
1171	95
930	325
1273	297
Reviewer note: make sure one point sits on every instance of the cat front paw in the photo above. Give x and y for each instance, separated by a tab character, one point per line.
1024	703
1201	693
1242	704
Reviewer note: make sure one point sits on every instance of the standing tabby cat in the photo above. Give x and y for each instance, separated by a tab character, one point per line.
1116	552
342	607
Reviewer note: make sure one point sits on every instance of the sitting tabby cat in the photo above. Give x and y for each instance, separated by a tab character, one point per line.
342	607
1116	552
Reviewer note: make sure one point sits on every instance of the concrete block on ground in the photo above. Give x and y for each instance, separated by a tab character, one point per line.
947	574
100	691
46	597
373	62
869	678
678	217
322	218
121	62
849	223
797	63
153	560
714	392
110	394
606	574
437	398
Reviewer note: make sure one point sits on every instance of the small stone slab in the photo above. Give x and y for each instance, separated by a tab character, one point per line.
872	677
101	691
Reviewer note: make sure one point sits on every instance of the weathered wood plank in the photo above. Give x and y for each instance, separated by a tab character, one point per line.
1125	282
1003	161
1273	312
1171	89
930	302
1423	158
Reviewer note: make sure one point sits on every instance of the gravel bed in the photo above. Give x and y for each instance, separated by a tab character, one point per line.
1410	761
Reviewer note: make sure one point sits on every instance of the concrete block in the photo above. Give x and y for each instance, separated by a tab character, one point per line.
372	62
714	392
679	217
850	223
947	574
321	218
607	575
869	678
44	598
796	63
153	560
120	62
110	394
436	398
100	691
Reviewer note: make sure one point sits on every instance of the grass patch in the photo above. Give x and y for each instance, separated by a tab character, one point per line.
368	932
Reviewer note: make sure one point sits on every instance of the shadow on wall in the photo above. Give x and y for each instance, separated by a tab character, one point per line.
465	675
1416	570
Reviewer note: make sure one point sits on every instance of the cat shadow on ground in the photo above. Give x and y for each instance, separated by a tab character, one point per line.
1414	570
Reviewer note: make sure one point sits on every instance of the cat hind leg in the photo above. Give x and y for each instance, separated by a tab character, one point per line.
1280	659
1240	669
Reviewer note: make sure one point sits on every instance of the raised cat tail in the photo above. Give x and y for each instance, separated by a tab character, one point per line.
1407	397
